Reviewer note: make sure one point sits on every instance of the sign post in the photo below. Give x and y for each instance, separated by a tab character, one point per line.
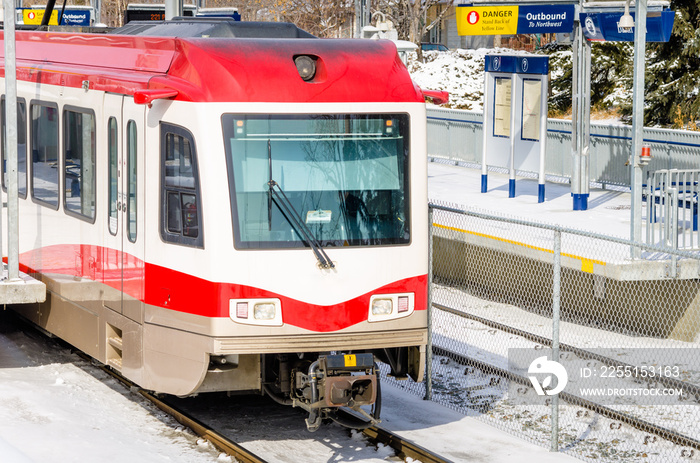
640	32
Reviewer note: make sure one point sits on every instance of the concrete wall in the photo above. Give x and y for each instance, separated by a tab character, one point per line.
665	308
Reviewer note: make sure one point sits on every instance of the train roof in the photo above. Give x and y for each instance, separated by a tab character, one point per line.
187	26
217	69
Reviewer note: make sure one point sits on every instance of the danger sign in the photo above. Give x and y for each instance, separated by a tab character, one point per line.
487	20
514	19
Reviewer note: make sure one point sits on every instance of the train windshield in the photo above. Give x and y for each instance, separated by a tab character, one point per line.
345	178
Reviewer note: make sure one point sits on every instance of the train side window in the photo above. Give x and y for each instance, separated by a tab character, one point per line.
79	162
113	173
21	147
181	216
131	190
44	146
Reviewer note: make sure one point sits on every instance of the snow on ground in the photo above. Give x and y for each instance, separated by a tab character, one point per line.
55	407
608	210
461	73
455	436
582	432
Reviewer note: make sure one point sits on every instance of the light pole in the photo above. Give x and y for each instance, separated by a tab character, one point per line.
640	32
10	139
581	119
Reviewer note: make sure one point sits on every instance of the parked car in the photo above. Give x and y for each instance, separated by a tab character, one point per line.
433	47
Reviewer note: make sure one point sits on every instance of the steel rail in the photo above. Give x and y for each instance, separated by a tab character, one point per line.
221	443
404	448
642	425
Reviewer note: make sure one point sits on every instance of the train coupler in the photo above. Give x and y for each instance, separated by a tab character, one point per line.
338	381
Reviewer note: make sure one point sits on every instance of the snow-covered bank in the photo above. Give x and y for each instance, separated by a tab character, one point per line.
458	72
56	407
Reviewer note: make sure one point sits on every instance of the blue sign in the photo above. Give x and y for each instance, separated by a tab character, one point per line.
500	63
521	64
604	27
75	17
545	19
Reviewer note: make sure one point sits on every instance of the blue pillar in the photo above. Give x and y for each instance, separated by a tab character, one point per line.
580	202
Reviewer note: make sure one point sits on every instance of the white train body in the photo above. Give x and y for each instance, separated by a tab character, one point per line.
139	213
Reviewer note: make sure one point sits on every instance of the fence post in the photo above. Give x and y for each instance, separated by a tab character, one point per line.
556	306
429	346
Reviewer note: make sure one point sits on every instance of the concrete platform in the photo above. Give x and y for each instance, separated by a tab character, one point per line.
24	290
608	214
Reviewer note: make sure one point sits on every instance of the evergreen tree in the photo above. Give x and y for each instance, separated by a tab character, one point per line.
611	75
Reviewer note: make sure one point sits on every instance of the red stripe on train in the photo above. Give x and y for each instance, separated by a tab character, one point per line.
182	292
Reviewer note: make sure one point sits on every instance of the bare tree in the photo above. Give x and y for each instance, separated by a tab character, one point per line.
413	19
322	18
112	12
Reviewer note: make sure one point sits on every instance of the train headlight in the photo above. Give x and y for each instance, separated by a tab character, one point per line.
265	312
383	307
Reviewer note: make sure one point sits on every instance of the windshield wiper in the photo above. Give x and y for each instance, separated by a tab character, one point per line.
269	179
295	219
292	215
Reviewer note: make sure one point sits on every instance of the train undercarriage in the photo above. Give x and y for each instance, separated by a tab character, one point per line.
321	384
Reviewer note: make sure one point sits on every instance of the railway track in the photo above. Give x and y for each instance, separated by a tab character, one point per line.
643	425
581	353
404	448
375	435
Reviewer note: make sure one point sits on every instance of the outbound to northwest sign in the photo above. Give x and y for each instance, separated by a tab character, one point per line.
510	20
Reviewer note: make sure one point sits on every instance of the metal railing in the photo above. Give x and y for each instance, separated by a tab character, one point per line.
456	135
672	208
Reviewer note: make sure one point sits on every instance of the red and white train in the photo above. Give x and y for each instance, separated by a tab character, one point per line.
241	208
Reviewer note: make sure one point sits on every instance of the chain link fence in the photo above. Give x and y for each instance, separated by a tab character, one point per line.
560	337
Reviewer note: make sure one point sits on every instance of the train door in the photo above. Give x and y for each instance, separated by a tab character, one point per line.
124	250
